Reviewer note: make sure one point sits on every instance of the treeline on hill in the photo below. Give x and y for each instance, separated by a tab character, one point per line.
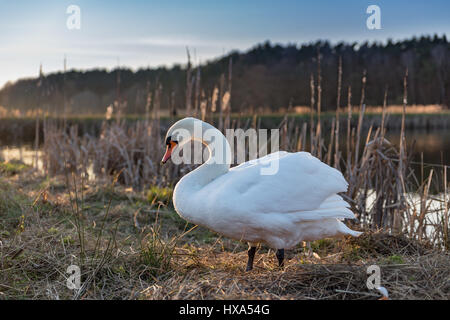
267	76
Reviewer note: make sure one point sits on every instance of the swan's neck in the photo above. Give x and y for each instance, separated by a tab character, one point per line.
218	162
186	189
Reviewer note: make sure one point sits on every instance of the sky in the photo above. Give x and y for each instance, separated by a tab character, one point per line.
137	33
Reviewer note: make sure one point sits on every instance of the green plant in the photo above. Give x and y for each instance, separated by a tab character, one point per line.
12	167
157	194
396	259
157	253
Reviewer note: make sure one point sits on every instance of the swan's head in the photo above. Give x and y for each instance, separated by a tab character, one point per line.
170	146
176	133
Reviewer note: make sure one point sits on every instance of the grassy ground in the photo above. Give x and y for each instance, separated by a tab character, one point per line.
132	245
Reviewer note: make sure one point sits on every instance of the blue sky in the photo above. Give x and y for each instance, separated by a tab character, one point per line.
137	33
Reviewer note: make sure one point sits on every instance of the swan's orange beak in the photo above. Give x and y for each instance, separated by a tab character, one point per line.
170	146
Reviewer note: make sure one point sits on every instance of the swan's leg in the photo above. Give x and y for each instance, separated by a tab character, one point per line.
251	257
280	257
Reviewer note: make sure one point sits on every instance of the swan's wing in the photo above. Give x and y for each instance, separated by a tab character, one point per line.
303	186
263	161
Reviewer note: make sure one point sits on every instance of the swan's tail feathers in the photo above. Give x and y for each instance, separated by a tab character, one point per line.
346	230
334	201
333	207
327	213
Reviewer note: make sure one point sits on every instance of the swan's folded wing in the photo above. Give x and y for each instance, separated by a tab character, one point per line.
301	185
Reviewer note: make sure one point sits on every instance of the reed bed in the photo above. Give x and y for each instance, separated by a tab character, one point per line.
385	189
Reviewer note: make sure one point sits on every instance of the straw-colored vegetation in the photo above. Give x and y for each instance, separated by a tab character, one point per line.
103	202
131	245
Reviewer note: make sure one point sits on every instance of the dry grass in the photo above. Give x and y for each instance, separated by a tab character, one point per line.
130	245
412	109
424	277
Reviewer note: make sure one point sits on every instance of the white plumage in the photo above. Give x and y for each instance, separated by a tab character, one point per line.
298	203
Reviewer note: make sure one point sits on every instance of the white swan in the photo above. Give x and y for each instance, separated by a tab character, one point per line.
298	203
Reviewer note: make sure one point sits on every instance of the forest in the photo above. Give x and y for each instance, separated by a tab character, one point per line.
269	77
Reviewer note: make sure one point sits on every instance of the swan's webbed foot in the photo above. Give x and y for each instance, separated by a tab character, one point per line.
251	257
280	257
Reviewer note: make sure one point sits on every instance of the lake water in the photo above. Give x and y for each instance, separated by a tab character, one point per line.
433	144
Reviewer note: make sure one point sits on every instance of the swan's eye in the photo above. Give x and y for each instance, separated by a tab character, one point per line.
170	142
